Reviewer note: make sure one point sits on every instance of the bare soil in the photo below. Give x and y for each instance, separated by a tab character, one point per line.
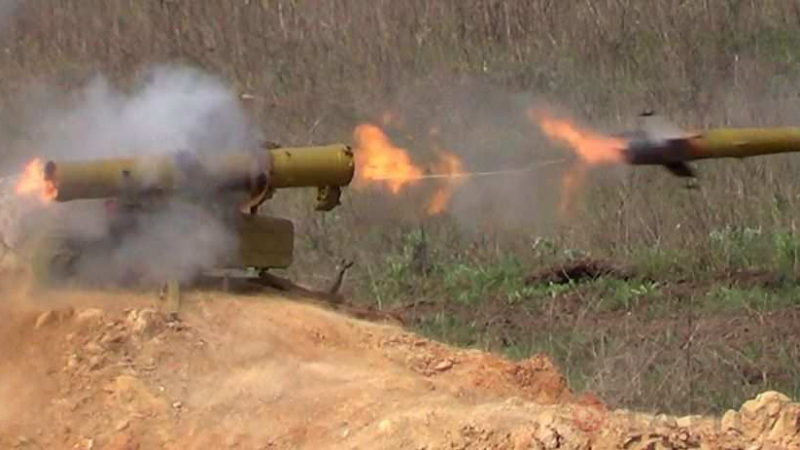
106	370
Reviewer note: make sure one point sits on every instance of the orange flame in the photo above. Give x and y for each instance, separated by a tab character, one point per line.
379	161
449	165
32	182
591	147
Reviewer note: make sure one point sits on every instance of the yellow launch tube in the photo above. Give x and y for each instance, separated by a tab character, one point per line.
84	180
330	165
291	167
743	142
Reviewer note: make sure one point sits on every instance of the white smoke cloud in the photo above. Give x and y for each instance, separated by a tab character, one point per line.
175	242
171	109
174	108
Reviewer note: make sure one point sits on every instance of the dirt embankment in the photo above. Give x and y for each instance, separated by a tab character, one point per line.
105	371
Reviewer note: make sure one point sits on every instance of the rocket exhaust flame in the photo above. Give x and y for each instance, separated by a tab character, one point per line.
379	161
377	158
449	165
33	182
591	148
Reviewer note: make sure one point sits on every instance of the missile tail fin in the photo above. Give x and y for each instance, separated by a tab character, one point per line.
681	169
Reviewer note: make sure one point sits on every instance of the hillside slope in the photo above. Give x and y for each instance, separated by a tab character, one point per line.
109	371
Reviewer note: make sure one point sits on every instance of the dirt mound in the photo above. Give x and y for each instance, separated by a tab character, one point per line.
580	270
106	371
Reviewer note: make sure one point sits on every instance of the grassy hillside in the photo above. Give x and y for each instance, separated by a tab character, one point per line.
310	71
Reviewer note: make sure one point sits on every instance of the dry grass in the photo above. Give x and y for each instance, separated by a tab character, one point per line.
313	70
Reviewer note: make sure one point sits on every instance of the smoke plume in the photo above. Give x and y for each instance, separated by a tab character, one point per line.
170	109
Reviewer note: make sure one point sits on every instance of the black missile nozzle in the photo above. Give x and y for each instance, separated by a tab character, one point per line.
657	142
672	154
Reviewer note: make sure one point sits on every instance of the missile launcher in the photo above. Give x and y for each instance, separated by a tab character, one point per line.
230	186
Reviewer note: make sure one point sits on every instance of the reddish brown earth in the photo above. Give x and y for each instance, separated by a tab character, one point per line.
110	371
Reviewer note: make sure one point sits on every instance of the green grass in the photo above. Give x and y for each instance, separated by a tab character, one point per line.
625	339
727	299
